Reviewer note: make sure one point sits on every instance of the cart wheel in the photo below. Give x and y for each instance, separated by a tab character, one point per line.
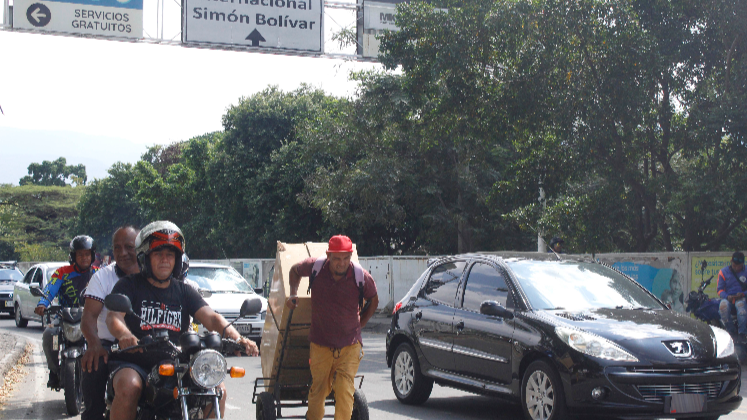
360	406
266	406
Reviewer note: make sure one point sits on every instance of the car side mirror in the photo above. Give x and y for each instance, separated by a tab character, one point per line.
35	291
251	306
493	308
118	303
34	284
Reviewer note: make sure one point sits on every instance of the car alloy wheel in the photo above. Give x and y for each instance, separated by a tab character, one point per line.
409	384
404	373
542	393
20	322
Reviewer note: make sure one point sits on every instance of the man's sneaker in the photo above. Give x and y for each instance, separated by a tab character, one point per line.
54	381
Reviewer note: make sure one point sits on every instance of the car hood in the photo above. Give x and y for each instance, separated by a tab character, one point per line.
6	287
231	302
644	333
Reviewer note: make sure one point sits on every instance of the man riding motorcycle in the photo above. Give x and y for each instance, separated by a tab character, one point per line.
163	302
66	284
732	282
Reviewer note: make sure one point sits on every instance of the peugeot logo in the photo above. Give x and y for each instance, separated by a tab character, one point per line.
679	348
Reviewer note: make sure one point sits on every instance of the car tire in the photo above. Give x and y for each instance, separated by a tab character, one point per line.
266	406
704	418
542	393
408	382
20	321
360	406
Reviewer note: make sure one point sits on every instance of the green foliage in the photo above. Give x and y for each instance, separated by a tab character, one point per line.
37	220
55	173
107	204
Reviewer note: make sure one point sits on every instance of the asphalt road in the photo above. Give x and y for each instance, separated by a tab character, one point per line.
32	400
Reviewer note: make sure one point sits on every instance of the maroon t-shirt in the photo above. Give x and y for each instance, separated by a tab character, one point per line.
335	321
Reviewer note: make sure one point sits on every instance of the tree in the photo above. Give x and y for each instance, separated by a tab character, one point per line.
603	102
55	173
107	204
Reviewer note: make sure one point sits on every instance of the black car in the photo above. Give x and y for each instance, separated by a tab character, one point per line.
559	337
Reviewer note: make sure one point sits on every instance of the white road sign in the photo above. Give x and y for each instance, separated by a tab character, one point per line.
113	18
377	16
273	24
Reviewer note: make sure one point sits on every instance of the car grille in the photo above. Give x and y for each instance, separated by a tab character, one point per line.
681	370
656	393
5	295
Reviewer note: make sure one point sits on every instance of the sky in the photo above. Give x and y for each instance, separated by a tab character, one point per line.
97	102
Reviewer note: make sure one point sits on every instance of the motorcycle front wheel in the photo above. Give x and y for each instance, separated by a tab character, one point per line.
73	394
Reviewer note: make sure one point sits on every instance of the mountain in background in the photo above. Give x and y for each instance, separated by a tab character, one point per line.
20	147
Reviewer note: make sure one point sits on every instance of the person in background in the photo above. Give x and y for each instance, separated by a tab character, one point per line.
336	346
556	244
93	325
732	281
66	285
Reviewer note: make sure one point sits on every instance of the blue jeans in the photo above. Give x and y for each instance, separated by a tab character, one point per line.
725	308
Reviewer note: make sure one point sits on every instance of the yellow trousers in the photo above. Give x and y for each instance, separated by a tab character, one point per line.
333	369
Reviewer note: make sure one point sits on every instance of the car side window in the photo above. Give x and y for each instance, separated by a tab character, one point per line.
39	277
484	282
444	282
27	278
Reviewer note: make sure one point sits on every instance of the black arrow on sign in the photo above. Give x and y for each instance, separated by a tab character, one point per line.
256	38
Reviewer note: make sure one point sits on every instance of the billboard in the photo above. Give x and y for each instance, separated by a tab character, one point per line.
377	17
272	24
113	18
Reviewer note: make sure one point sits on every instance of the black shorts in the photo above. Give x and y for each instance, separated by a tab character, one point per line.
116	366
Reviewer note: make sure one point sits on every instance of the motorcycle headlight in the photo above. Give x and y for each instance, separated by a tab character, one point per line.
593	345
724	343
208	368
72	332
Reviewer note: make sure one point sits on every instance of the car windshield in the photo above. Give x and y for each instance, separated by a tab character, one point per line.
219	279
578	286
10	276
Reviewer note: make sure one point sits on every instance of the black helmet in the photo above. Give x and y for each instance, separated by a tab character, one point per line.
155	236
81	242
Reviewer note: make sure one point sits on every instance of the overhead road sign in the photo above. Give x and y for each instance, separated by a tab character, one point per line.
262	24
114	18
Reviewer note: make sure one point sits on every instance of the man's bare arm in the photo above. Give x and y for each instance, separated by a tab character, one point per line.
373	304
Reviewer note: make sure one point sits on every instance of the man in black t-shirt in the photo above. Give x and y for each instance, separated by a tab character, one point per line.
162	301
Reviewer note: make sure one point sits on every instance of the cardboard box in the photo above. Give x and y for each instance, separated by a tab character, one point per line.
294	374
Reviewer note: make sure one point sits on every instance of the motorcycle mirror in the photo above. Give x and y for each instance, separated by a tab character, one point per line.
703	265
251	306
118	303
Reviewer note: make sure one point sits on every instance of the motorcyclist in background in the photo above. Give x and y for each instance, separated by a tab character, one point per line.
66	285
732	281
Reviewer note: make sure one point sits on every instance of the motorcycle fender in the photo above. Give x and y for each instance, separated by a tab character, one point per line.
55	343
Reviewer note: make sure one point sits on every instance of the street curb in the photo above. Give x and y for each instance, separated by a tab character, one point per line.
10	359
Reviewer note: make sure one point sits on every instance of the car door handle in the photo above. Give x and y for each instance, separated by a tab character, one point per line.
418	315
460	325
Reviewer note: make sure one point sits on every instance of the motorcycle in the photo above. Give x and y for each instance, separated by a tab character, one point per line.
704	307
183	386
70	344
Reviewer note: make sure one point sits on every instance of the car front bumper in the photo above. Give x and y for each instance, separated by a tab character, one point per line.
647	392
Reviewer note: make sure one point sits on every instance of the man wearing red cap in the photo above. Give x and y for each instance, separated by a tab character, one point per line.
335	335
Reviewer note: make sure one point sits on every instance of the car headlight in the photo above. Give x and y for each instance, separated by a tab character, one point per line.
208	368
593	345
724	343
262	315
72	332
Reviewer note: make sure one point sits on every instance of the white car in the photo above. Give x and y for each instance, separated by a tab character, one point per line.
224	289
23	301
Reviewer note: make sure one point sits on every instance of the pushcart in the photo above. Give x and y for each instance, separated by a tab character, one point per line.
289	385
